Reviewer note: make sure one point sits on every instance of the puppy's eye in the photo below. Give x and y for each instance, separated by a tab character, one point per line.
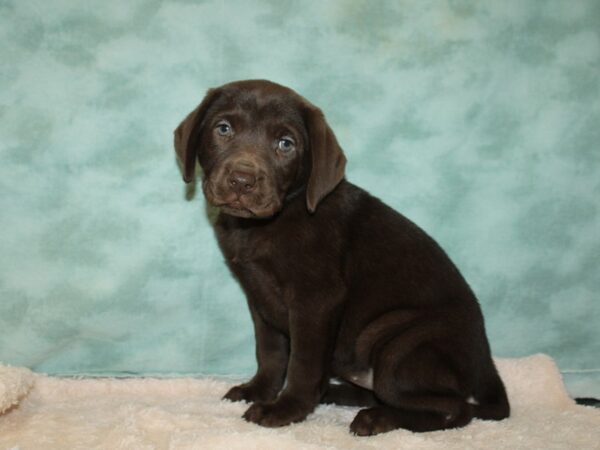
223	128
286	144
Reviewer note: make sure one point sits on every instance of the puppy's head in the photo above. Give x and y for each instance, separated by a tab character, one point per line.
259	143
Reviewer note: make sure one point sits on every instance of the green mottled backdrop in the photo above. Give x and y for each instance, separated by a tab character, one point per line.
480	120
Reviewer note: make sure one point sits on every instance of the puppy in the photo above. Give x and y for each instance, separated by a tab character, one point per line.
352	303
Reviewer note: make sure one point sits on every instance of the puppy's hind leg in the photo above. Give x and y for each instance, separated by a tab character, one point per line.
380	419
419	393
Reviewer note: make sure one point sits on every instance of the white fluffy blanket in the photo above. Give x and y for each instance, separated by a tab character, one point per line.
187	413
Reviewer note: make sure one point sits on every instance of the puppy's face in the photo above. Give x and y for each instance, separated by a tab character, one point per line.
259	143
253	151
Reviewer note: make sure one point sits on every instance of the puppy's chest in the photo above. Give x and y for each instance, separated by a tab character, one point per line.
262	262
247	246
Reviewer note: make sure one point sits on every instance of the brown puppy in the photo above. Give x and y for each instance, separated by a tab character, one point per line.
338	284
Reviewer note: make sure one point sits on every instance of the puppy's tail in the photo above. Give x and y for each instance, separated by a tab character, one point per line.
493	404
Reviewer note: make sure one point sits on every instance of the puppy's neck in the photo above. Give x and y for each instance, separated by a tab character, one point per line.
294	194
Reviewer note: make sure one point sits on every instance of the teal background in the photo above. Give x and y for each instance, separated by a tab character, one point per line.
479	120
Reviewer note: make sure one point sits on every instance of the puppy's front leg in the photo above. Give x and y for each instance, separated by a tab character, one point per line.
272	351
312	333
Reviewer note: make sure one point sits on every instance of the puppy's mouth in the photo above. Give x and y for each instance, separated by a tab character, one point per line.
240	206
238	209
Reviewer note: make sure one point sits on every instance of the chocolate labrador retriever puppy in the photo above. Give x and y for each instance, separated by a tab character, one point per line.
339	285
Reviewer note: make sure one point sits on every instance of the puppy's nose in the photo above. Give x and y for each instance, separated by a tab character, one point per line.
241	182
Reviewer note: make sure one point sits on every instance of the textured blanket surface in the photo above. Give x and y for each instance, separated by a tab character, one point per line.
15	383
187	413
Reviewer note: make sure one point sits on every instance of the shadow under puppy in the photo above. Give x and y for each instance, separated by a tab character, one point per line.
339	285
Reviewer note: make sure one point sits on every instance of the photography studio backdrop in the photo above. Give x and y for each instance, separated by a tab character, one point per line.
480	121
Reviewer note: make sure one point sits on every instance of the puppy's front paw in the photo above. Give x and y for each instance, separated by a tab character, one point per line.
277	414
250	392
236	394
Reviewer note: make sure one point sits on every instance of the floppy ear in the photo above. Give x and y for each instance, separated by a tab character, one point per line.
187	136
327	159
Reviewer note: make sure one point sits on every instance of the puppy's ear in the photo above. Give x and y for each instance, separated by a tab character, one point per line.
187	137
327	158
